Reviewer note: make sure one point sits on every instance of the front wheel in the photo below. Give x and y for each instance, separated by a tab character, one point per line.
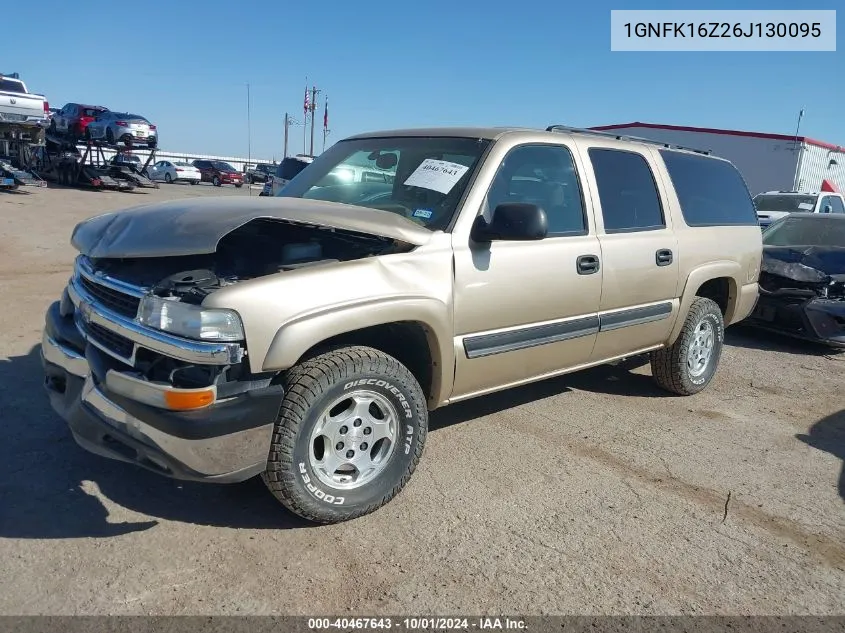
349	435
688	366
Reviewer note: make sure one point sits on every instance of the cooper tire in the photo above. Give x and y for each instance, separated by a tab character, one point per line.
688	366
315	389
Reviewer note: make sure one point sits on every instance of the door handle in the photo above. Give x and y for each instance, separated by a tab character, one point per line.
663	257
587	264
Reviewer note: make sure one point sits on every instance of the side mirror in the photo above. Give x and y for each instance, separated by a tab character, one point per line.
513	221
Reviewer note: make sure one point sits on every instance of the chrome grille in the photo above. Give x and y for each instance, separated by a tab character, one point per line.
114	300
112	341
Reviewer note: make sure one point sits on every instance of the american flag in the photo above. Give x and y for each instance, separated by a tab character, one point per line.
307	104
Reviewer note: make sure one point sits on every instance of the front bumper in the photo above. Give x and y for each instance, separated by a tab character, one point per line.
226	442
816	319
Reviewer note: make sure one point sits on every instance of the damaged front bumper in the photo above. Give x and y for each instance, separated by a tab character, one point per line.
814	319
218	432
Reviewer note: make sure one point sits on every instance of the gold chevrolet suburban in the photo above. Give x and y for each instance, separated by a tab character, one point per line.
307	337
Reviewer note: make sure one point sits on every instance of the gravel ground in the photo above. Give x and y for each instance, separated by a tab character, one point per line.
594	493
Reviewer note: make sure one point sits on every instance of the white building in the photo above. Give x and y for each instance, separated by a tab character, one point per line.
768	162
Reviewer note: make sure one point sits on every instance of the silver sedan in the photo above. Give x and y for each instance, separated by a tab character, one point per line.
122	127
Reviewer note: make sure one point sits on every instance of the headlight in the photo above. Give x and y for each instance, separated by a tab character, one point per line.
191	321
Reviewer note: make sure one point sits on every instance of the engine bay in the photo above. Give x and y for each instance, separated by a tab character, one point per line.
256	249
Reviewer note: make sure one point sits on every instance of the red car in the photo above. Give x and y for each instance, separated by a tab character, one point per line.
219	173
73	118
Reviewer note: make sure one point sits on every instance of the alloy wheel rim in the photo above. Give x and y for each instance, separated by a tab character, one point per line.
353	440
701	348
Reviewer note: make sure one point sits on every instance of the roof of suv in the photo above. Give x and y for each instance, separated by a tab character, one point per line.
494	133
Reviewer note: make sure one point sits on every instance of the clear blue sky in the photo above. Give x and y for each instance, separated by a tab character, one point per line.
405	63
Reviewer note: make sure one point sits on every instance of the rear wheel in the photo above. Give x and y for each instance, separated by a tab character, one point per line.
688	366
167	178
215	181
351	430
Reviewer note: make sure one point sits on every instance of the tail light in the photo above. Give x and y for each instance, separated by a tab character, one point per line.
152	127
120	123
46	107
179	169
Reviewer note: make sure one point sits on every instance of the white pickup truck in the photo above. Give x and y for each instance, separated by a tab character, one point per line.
18	105
773	205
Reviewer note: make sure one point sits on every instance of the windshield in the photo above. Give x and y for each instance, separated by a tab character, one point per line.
817	230
219	164
183	164
789	203
421	178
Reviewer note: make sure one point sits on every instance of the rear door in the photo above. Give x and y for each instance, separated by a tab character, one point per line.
639	298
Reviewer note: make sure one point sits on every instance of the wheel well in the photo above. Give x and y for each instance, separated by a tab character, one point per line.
406	341
719	290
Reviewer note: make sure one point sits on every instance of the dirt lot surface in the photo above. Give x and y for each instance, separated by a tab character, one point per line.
594	493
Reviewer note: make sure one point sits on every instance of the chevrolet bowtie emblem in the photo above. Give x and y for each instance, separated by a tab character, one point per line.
85	310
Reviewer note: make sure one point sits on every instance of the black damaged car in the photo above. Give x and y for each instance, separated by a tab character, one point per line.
802	278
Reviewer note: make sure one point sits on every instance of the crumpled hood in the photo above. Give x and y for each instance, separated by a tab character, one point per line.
808	264
195	226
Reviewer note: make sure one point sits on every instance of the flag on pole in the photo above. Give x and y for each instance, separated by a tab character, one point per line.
326	115
305	109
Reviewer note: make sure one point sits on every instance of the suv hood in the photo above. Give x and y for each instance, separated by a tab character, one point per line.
194	227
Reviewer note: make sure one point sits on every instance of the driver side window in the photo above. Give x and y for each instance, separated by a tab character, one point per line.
544	175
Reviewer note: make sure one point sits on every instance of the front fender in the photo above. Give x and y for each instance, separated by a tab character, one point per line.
700	275
298	335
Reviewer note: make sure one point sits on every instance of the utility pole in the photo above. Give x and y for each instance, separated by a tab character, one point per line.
314	92
248	133
287	125
796	182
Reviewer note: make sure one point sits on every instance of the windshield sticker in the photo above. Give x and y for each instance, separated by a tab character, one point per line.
422	213
437	175
805	205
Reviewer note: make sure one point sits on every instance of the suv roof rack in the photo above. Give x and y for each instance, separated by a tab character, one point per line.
625	137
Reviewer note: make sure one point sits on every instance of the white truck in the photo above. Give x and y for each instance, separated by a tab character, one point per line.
773	205
18	105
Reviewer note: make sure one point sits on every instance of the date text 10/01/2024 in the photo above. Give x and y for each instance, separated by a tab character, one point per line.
723	29
419	623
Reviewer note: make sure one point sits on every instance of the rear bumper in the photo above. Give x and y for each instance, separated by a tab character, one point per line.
225	442
818	320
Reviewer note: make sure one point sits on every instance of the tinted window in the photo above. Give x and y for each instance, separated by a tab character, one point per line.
11	85
289	168
837	204
628	195
711	191
543	175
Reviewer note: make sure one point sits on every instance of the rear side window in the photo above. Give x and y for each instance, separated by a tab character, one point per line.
628	195
836	204
711	191
289	168
11	85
